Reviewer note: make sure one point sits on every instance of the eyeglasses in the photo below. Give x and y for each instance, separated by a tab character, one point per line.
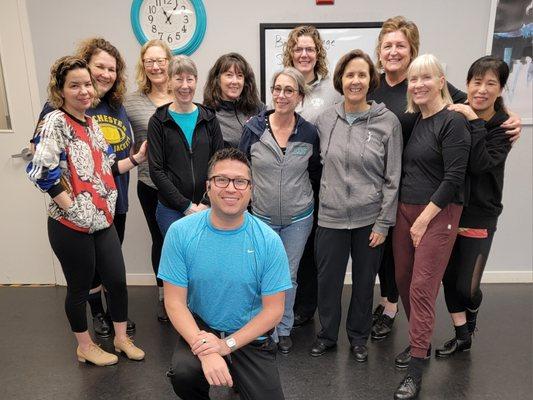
308	50
149	62
223	182
287	90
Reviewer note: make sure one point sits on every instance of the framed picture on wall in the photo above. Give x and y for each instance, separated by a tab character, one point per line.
338	38
510	38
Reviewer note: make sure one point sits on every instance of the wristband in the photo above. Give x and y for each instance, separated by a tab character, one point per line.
133	161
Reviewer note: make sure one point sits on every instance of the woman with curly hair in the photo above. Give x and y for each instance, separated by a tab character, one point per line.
108	70
231	91
305	51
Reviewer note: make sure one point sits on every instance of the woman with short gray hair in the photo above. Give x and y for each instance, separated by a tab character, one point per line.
283	150
182	137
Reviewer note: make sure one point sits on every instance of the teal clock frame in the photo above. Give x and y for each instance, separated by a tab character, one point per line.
197	37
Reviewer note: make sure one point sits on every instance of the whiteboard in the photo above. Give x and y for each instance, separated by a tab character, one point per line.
338	38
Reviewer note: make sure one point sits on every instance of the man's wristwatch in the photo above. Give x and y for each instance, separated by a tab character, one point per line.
231	343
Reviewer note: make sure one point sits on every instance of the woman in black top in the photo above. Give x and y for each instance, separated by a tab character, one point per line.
431	198
398	44
486	79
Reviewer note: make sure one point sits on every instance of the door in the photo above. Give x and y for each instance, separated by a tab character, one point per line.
25	254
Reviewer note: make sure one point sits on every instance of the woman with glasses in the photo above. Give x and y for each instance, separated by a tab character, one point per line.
182	137
361	149
75	165
231	91
283	150
305	51
108	70
152	92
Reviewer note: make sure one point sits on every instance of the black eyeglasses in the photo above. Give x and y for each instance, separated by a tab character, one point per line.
223	182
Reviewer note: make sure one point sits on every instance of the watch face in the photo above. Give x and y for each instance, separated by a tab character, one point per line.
231	343
173	21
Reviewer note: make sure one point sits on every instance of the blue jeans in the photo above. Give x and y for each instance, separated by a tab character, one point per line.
294	237
165	216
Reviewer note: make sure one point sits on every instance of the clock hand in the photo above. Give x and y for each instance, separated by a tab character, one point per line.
167	16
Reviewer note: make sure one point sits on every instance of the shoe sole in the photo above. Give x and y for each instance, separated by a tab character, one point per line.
317	354
128	357
284	352
84	360
437	355
378	338
361	360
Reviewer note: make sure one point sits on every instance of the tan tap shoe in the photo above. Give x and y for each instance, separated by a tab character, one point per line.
96	356
127	346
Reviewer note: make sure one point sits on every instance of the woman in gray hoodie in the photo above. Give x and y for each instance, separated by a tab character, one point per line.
361	149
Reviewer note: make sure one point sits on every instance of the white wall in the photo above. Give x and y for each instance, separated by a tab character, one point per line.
455	31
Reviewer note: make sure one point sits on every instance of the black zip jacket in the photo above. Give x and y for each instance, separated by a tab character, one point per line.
490	147
180	172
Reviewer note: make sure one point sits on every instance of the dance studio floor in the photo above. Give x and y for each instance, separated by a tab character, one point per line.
38	361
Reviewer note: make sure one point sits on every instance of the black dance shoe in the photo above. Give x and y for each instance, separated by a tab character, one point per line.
471	320
101	326
300	320
319	348
408	389
402	360
378	311
285	344
360	353
382	328
162	315
130	326
454	346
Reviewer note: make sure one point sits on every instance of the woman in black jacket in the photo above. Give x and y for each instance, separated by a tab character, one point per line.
182	137
485	112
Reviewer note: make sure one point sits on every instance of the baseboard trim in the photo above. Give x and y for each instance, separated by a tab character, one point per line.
488	277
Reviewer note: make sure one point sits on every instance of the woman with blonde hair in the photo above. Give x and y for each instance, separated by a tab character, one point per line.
397	46
152	92
431	201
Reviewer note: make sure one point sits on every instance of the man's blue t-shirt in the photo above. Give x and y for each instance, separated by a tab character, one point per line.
225	271
187	123
116	128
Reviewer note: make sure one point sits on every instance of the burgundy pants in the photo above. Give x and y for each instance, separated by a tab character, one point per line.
419	271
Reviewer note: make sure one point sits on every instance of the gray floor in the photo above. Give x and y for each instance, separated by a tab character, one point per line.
37	353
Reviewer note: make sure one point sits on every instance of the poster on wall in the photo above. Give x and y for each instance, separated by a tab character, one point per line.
510	38
338	38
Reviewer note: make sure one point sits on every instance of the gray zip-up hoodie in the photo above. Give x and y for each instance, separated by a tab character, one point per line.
361	168
282	191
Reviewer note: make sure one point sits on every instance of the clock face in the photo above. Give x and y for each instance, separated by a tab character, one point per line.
179	23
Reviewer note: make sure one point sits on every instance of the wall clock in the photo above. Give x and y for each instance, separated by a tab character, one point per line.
179	23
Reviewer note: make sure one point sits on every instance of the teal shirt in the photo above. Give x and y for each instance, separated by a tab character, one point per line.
187	123
226	272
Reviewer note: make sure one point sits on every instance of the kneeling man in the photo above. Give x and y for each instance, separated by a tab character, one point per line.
225	273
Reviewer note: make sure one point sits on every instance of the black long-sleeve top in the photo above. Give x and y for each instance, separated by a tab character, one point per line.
180	171
490	147
435	160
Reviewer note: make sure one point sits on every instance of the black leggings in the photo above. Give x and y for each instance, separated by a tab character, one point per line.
120	225
80	255
463	275
387	277
148	199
